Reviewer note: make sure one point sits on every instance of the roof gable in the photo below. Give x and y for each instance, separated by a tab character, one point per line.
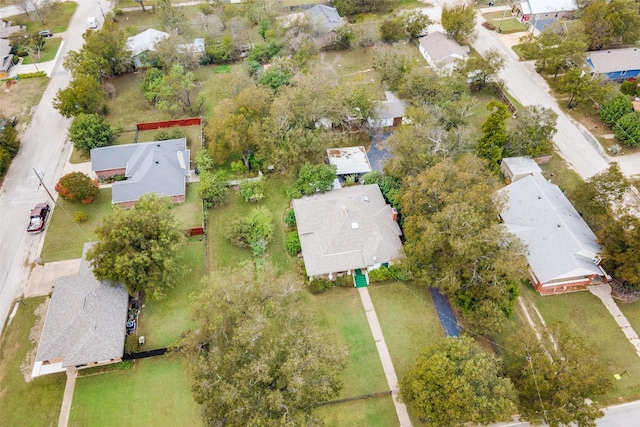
145	41
442	49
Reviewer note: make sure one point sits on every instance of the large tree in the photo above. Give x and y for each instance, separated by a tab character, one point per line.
83	95
455	382
494	134
459	21
482	70
621	252
175	92
313	178
560	49
627	129
255	358
583	87
531	133
557	376
90	131
139	247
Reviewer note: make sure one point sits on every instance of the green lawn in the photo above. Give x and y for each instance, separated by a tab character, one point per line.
189	213
507	25
56	19
65	238
585	315
408	319
560	174
162	322
48	52
155	391
36	403
375	412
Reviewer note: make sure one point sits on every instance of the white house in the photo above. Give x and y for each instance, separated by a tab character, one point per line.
442	52
141	44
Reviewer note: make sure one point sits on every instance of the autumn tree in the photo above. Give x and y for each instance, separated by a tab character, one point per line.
531	133
459	22
455	382
83	95
494	134
90	131
77	187
455	243
139	247
235	130
255	357
557	377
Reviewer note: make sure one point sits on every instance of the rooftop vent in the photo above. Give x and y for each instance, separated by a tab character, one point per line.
354	225
365	198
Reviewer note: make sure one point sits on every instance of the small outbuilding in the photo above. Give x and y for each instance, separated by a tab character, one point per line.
390	112
514	168
349	161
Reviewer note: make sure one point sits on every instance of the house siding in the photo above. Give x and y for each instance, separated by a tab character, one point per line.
623	75
109	173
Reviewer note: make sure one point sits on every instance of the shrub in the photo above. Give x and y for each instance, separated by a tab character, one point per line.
290	218
318	285
489	26
109	89
31	75
252	190
79	216
175	133
614	109
238	167
292	243
118	12
131	343
627	129
124	364
629	87
373	177
386	273
77	187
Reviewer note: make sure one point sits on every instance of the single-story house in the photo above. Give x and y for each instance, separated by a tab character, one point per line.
514	168
349	161
6	57
6	29
323	21
160	167
442	52
390	112
141	44
616	64
347	231
85	323
562	251
535	10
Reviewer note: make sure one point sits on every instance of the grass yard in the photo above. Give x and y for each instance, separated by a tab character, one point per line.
408	319
65	238
155	391
48	52
560	174
189	213
21	97
36	403
375	412
507	25
162	322
223	254
585	315
56	19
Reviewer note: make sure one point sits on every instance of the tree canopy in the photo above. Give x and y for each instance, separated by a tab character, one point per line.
455	382
77	187
312	178
459	21
255	357
83	95
612	110
90	131
531	133
139	247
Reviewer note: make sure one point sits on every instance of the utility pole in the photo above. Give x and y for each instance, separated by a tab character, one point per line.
39	174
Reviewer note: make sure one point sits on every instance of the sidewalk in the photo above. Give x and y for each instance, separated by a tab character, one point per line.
65	410
385	358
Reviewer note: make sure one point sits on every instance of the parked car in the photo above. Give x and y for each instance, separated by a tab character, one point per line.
38	218
45	33
92	22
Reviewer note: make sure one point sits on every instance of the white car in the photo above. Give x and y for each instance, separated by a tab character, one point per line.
92	22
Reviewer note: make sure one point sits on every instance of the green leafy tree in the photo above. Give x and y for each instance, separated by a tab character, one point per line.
482	70
531	132
255	231
627	129
557	378
612	110
220	51
353	7
455	382
392	66
494	134
255	357
392	30
293	243
313	178
415	23
213	189
584	88
459	22
252	190
83	95
344	37
621	252
9	144
596	26
560	49
598	197
151	83
624	18
27	43
175	93
90	131
172	18
455	243
77	187
139	247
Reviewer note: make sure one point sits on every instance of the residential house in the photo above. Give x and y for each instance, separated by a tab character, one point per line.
323	22
390	112
562	251
6	29
543	10
160	167
349	161
85	323
347	231
142	44
6	58
615	64
514	168
442	52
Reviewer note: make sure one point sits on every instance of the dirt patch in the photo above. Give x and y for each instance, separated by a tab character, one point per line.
34	335
20	97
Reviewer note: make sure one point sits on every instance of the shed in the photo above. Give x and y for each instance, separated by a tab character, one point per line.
514	168
349	160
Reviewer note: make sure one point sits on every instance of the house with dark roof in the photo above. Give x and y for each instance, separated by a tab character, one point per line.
144	43
562	251
442	52
347	231
85	323
323	21
615	64
6	29
160	167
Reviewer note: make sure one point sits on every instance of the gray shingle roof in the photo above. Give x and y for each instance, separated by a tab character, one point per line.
560	244
612	60
323	19
349	160
85	321
391	107
340	230
442	48
159	167
145	40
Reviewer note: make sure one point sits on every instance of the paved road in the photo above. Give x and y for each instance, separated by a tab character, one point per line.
43	147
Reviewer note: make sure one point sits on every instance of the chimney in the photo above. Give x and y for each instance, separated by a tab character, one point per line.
394	214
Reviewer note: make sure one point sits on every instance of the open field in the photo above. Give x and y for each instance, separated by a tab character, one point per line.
56	19
20	98
154	391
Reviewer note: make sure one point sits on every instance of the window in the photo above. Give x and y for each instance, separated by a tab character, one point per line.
623	72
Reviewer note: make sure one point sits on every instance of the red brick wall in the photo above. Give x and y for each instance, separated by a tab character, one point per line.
108	173
550	289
